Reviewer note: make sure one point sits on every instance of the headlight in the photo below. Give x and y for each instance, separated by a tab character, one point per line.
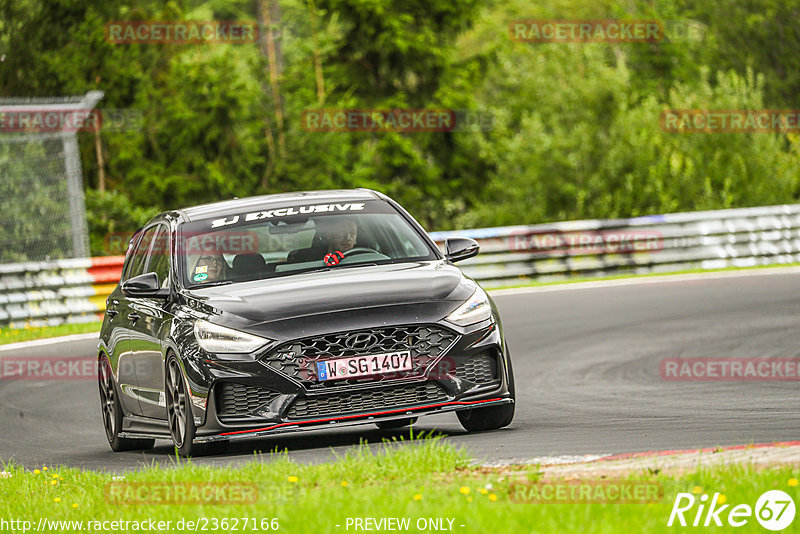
474	310
215	338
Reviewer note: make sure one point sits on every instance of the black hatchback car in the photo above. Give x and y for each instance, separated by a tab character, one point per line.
298	311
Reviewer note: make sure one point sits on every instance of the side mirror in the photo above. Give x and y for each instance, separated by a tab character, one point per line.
460	248
144	286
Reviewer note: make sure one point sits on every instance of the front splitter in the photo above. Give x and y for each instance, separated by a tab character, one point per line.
351	420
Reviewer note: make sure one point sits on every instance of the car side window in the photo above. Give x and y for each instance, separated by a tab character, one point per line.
141	254
159	256
126	267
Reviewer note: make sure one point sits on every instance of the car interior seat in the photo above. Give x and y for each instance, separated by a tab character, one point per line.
249	264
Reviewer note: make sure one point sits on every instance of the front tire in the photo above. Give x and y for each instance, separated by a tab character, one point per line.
490	417
179	410
112	413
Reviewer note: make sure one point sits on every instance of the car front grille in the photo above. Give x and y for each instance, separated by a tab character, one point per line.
296	359
237	400
479	368
365	401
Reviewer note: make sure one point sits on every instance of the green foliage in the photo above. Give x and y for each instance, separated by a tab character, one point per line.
576	126
578	133
34	207
761	35
112	218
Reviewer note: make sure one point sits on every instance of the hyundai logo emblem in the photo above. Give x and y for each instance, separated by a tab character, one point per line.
361	341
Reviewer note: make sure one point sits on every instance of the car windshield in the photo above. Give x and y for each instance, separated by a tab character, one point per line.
273	242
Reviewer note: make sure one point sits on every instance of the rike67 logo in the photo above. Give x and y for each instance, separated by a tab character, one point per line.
774	510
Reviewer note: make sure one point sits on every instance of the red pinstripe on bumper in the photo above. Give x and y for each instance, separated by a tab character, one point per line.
359	416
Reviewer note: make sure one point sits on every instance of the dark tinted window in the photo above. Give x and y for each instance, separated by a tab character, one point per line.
159	256
140	255
275	242
126	268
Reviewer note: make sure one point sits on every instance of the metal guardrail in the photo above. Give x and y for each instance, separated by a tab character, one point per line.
56	292
75	290
744	237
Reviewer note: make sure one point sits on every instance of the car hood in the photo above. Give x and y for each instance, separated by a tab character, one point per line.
249	304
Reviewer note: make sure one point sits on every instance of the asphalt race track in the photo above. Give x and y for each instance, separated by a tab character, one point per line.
587	373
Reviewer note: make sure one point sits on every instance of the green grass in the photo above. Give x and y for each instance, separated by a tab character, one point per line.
631	275
14	335
427	478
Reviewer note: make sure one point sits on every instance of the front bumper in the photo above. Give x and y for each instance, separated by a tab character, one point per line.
355	419
466	372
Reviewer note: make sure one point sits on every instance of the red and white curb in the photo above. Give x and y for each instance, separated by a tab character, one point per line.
678	460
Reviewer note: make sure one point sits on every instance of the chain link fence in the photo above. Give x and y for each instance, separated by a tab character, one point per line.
42	210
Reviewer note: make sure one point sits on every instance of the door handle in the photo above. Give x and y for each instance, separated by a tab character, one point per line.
111	311
133	316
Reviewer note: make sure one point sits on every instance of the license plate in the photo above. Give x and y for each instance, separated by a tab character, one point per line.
357	366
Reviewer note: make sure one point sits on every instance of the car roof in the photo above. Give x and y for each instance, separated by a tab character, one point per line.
238	205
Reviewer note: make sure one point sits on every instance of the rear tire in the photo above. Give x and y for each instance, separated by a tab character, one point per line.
111	411
397	423
490	417
179	410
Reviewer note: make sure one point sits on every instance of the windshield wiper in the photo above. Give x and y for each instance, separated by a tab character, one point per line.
213	284
337	267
